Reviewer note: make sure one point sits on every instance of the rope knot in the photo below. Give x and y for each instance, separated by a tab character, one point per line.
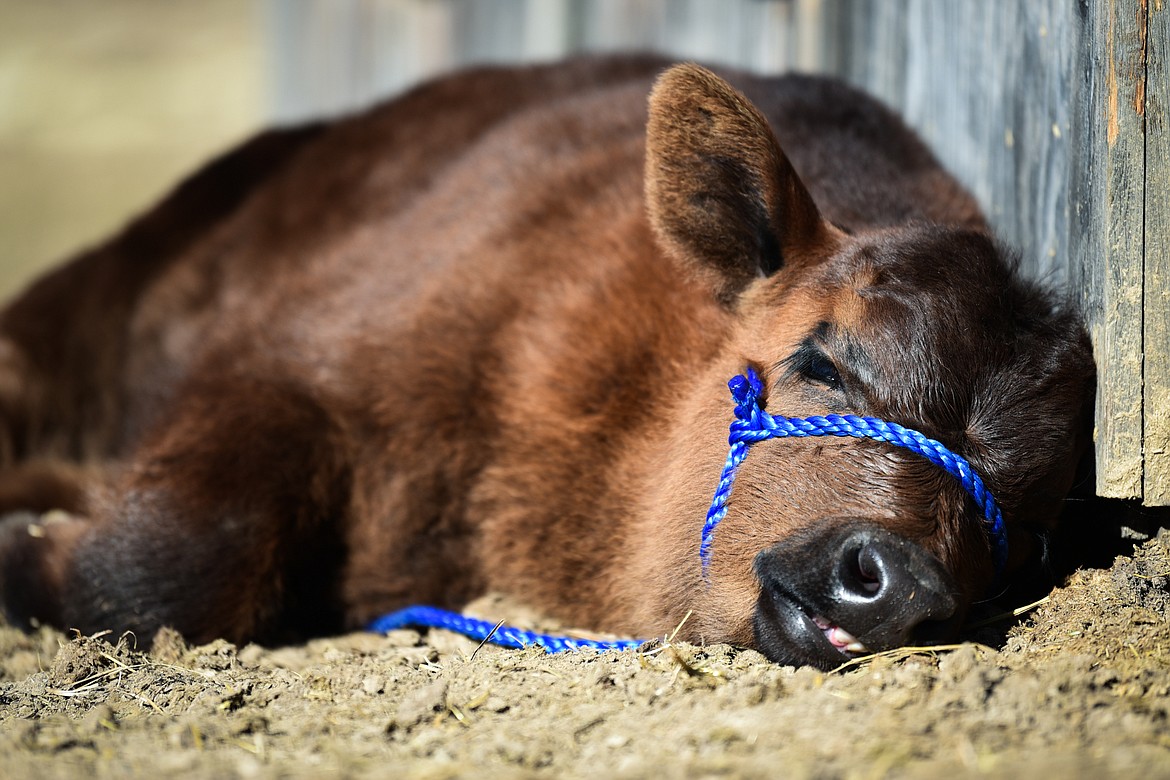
745	391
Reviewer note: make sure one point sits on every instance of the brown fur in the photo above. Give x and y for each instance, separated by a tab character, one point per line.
449	345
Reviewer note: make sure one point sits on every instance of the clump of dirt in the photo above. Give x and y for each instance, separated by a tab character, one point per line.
1081	688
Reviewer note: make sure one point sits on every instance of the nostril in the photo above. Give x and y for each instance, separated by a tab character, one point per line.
868	575
860	572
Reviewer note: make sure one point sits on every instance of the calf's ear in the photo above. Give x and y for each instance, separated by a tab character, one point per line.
721	195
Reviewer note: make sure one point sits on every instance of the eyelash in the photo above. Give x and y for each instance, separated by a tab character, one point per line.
818	368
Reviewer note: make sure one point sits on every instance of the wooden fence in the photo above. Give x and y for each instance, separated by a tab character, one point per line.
1053	112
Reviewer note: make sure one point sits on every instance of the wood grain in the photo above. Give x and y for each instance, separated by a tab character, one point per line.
1157	256
1108	210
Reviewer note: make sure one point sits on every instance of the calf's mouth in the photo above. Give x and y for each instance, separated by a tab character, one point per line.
846	590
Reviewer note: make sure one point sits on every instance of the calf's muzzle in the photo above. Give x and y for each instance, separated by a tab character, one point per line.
848	588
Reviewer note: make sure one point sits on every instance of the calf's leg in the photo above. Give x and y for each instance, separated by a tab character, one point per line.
225	523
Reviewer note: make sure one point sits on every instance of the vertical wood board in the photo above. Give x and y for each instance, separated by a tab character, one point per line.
1156	307
1108	199
987	85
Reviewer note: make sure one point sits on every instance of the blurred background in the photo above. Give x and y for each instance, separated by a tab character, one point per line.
106	104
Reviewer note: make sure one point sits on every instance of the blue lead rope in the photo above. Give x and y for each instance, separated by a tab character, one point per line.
751	424
497	634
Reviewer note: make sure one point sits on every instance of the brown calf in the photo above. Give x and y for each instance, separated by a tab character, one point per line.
479	338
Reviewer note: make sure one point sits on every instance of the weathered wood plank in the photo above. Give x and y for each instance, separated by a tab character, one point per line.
987	85
1108	200
332	56
1157	256
766	37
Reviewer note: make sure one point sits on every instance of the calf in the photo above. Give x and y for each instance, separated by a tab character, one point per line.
479	338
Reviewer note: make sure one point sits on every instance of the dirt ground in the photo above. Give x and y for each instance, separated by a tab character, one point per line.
1079	687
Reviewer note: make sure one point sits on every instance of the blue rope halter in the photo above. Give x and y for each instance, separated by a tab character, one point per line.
751	424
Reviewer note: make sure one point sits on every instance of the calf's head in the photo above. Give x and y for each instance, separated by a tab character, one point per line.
837	546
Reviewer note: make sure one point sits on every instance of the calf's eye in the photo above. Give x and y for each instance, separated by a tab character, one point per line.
819	368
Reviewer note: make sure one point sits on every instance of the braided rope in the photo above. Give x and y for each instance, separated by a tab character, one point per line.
505	636
753	424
